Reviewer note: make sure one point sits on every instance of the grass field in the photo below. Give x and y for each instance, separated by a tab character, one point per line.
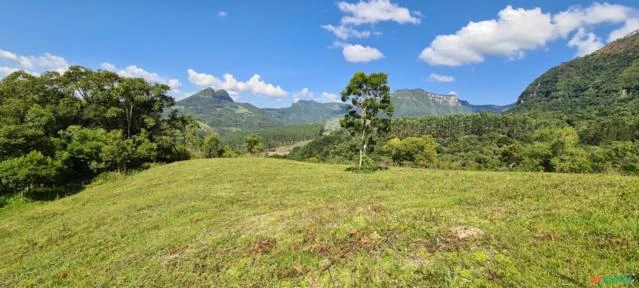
251	222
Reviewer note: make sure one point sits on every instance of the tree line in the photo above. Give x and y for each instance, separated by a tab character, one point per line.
59	131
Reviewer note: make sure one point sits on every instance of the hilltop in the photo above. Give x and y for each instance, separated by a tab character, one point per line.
253	222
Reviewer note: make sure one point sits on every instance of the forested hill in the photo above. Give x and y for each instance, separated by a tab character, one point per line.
218	110
417	102
602	84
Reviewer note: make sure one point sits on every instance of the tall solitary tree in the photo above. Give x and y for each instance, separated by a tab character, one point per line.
370	110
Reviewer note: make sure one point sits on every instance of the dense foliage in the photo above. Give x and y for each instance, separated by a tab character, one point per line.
275	137
489	142
57	131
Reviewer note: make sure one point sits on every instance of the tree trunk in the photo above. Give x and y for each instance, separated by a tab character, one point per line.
129	119
362	153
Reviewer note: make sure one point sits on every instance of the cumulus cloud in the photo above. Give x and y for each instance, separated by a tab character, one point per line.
516	31
255	85
630	26
222	14
585	42
133	71
32	64
360	54
374	11
598	13
441	78
330	97
367	13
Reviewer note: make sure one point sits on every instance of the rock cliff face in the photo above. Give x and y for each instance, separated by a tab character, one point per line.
448	100
417	102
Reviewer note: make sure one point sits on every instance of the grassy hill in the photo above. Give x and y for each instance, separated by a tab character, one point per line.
264	222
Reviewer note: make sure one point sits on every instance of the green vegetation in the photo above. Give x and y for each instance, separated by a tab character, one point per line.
580	117
491	142
253	145
250	222
588	90
420	151
275	137
218	110
57	131
370	110
417	102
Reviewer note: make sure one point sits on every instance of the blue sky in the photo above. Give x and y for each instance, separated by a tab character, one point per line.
275	52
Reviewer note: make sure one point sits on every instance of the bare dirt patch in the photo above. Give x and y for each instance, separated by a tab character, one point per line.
465	232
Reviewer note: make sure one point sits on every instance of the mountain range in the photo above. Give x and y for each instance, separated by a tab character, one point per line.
217	109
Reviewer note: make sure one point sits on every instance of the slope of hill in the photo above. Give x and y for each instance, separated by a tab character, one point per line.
250	222
604	83
219	111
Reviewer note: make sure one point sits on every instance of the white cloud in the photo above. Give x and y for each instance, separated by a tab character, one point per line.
222	14
453	93
331	97
630	26
305	93
133	71
576	17
585	42
367	12
516	31
344	32
34	64
360	54
8	55
255	85
441	78
374	11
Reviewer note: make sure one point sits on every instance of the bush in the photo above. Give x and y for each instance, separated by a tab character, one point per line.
420	151
573	160
29	174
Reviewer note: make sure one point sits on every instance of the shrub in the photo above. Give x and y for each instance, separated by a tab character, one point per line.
28	174
420	151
